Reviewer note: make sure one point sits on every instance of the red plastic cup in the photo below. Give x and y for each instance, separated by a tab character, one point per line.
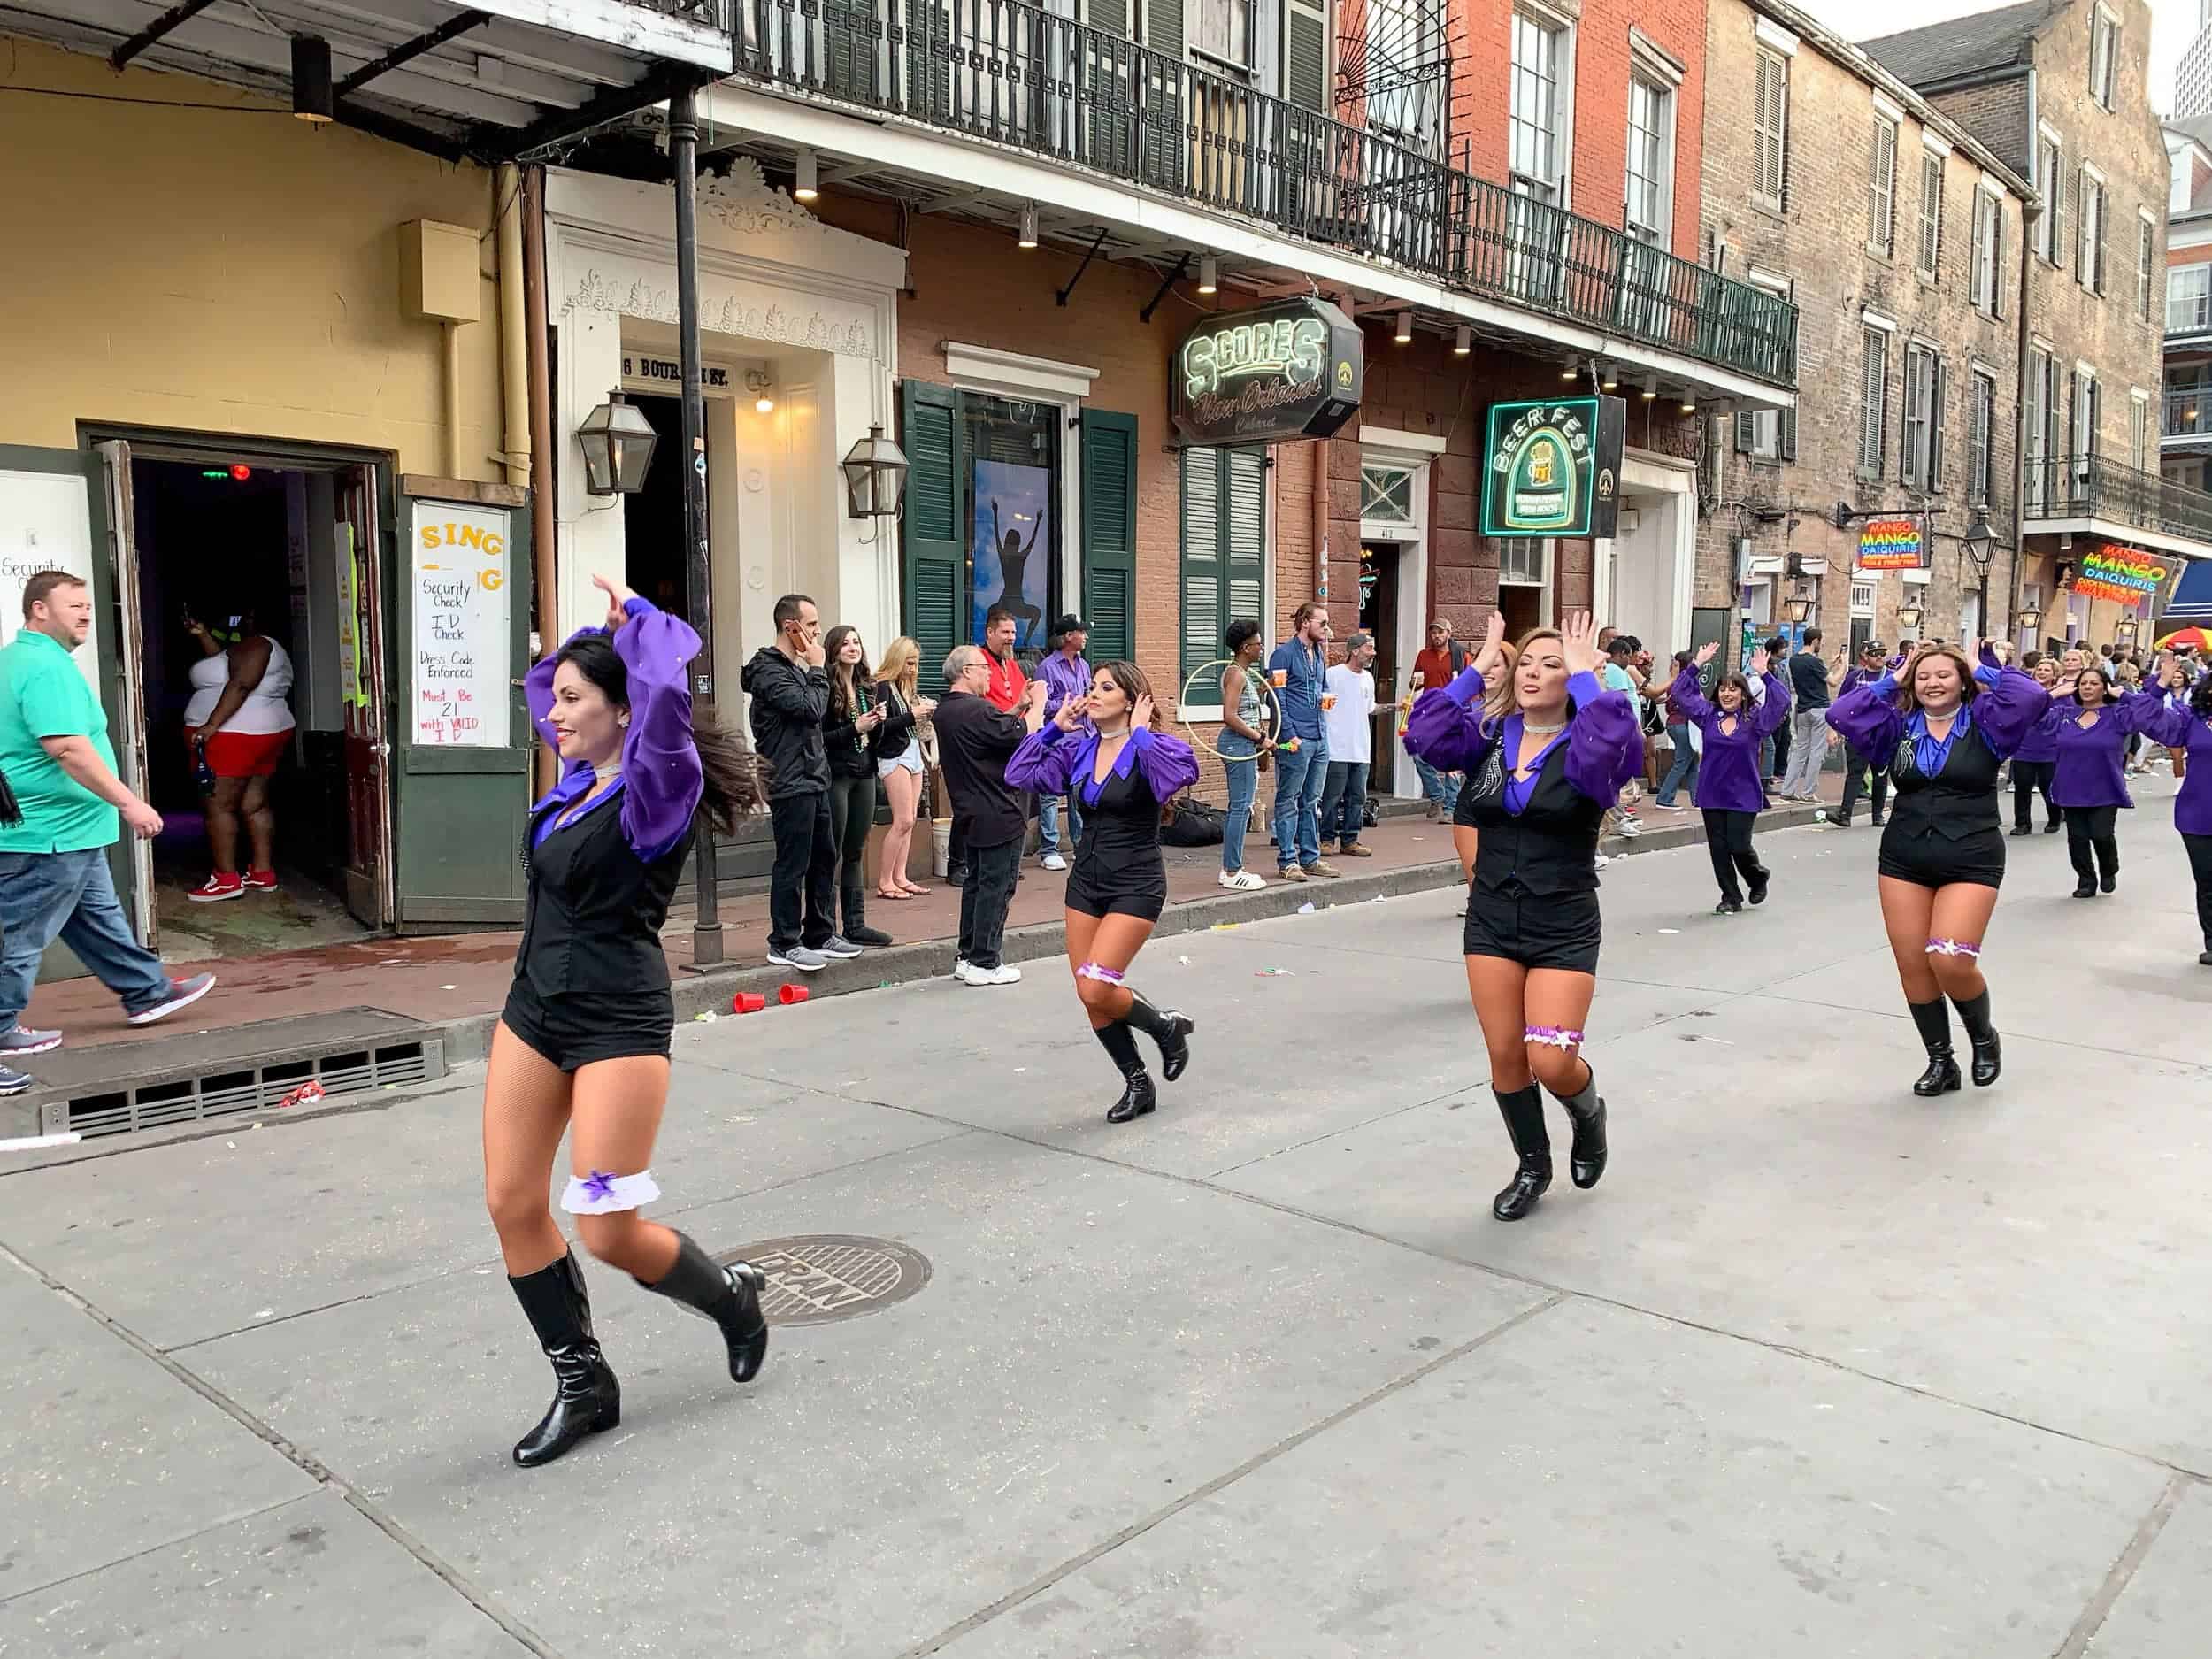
789	994
748	1002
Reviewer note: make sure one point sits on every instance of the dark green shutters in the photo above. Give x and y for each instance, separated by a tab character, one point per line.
1110	535
1306	57
1225	550
936	573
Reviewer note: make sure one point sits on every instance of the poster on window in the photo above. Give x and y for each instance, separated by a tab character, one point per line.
1012	556
461	639
45	524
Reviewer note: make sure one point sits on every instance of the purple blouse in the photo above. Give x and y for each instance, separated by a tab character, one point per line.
661	781
2004	715
2176	727
2090	759
1605	744
1049	760
1728	771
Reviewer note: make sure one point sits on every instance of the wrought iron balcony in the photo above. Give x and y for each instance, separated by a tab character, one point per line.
1014	75
2091	486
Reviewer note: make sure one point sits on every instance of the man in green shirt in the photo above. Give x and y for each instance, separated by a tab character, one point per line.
54	880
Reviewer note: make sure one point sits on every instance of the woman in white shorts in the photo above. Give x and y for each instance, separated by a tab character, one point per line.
899	762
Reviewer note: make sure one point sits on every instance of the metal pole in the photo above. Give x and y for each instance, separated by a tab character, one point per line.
683	155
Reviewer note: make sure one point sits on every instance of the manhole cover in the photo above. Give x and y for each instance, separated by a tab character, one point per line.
819	1277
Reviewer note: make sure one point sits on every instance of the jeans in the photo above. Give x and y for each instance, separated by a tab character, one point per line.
1048	822
984	898
1809	752
1855	784
852	804
1343	810
1728	839
1244	784
803	887
1683	771
1774	752
1442	788
1299	775
2028	776
2089	831
72	895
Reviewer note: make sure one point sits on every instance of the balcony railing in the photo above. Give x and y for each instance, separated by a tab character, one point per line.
1019	76
2091	486
2186	415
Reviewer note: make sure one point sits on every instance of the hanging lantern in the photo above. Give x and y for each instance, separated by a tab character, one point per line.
617	442
875	477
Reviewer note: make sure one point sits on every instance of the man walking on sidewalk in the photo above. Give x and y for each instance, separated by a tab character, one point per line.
54	880
975	740
1297	668
1812	684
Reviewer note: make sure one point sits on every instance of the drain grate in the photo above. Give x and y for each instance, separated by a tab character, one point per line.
819	1277
231	1087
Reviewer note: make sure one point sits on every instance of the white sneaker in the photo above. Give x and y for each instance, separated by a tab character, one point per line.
1053	860
960	969
1005	973
1630	827
1241	881
1601	860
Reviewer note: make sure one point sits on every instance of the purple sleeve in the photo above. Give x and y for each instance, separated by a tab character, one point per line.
2169	724
1045	761
1774	710
1687	694
2140	711
1869	719
1447	728
2009	711
1605	744
661	776
1167	763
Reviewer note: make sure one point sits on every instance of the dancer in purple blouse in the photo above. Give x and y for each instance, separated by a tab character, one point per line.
1125	770
2089	725
1949	725
582	1045
1729	794
2184	724
1539	781
2036	762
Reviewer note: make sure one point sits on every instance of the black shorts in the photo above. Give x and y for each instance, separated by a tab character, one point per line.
1558	930
582	1027
1932	861
1141	893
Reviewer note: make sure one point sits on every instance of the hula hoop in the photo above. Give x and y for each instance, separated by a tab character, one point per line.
1255	674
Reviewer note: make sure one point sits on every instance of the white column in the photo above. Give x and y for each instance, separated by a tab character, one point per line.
588	528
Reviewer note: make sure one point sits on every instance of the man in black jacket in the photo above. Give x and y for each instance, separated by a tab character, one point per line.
789	690
974	742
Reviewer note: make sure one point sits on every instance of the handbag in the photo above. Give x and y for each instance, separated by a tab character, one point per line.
11	809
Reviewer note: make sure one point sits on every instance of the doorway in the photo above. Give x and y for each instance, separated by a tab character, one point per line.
1378	616
654	535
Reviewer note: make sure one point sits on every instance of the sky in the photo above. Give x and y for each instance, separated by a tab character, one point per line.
2173	25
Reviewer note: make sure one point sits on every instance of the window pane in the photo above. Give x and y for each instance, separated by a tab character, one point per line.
1532	123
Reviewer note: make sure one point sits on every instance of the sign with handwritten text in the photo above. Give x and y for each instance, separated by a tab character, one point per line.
462	641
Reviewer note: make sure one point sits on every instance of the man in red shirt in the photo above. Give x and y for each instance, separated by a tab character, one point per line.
1438	666
1009	687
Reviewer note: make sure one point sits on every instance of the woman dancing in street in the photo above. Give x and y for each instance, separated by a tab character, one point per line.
2035	762
2184	724
582	1045
1949	725
2091	724
1727	792
1126	771
1540	778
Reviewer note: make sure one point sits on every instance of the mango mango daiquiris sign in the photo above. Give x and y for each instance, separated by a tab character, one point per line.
2119	574
1554	467
1892	544
1287	371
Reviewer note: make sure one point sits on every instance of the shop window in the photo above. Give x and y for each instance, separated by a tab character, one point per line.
1385	494
1224	552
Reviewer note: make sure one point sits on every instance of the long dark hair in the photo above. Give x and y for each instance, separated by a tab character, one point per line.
844	698
2104	679
736	779
1742	710
1133	685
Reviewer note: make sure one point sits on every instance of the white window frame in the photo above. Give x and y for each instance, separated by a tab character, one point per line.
2089	228
1862	600
2104	56
2146	261
1253	23
1920	416
1777	199
2050	160
1558	191
1662	95
1981	435
1928	256
1766	424
1985	276
2139	428
1881	187
1874	353
2039	415
2198	276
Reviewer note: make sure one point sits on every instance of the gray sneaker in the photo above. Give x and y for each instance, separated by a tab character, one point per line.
23	1041
837	948
798	957
182	993
13	1082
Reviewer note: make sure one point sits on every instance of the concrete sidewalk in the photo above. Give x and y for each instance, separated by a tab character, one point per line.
1819	1370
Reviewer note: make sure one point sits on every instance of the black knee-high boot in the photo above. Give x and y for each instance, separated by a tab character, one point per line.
586	1396
1524	1112
1171	1030
1981	1035
1586	1111
1138	1096
1934	1021
729	1295
2084	865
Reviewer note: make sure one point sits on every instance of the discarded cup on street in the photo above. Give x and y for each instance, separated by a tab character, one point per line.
787	994
748	1002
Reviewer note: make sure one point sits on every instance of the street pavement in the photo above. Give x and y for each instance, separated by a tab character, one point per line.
1820	1369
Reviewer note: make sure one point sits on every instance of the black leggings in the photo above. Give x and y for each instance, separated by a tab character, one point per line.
2199	849
852	803
1853	786
2089	829
2028	776
1728	839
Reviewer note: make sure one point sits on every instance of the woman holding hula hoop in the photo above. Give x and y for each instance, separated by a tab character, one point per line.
1540	778
1243	748
1125	770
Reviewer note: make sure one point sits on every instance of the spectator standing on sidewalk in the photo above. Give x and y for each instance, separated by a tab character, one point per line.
1774	754
1244	748
1622	674
1434	668
54	880
851	731
1812	685
1066	675
1347	721
1862	772
1008	688
790	688
975	739
1302	765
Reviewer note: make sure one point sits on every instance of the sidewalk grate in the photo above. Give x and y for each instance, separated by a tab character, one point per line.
161	1102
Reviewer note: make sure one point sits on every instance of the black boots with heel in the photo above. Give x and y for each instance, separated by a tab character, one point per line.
1138	1096
1171	1030
1524	1112
1586	1111
587	1399
1942	1075
1981	1035
729	1295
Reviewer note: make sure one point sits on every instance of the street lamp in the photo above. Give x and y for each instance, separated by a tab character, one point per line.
1908	619
2124	634
617	442
875	473
2030	620
1980	544
1797	607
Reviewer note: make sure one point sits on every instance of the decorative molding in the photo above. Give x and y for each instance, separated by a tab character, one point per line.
746	203
1772	34
817	332
984	366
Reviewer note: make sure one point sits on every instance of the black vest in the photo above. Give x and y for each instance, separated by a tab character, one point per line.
596	909
1121	830
1959	801
1551	847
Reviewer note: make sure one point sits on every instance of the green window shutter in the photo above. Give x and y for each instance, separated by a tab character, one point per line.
1109	534
1202	574
1306	57
935	525
1244	539
1747	431
1789	435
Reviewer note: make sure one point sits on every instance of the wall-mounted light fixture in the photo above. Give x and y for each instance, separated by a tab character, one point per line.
312	99
1909	618
1462	341
1027	236
617	442
758	383
2028	621
806	182
875	473
1651	387
1403	334
1209	274
1610	378
1689	402
1568	372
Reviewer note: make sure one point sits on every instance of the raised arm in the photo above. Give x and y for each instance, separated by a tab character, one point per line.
2011	705
1687	694
1045	760
1868	717
1605	745
1447	728
1774	710
2140	711
2168	723
1166	762
661	777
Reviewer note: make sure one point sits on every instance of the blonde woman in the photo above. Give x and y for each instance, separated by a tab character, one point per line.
901	764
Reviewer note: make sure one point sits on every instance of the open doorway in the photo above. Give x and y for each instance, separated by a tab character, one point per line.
1378	607
226	554
654	537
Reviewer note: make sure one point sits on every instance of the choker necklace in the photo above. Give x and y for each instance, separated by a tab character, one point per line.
608	770
1528	725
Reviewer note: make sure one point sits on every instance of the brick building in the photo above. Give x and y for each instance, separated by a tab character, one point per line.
2057	90
1897	234
2185	428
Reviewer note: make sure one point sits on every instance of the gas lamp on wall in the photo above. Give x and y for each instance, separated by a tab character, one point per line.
875	473
1908	619
2028	621
617	442
762	388
2123	633
1797	607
